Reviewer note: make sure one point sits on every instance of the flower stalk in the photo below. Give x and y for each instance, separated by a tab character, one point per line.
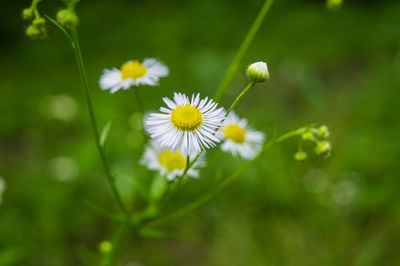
235	102
85	85
216	189
242	50
141	111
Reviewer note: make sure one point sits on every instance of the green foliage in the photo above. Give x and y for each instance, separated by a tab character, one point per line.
104	133
324	66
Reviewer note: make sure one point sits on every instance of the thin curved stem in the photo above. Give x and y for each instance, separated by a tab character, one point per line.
251	84
242	50
115	218
188	165
82	72
34	4
141	110
216	189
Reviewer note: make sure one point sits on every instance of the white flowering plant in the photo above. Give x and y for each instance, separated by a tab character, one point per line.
180	134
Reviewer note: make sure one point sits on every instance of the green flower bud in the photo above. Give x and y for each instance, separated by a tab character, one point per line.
35	32
308	136
300	156
334	4
105	247
258	72
323	132
27	13
39	22
67	18
323	148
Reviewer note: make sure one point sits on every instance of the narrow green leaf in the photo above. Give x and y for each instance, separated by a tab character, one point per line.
137	184
101	210
152	233
155	233
104	133
64	30
158	186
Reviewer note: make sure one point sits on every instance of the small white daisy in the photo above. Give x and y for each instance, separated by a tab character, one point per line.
168	163
240	138
133	73
190	125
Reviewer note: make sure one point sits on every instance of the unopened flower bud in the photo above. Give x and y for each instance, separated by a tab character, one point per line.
35	32
300	156
39	22
258	72
105	246
67	18
334	4
27	13
323	148
323	132
308	136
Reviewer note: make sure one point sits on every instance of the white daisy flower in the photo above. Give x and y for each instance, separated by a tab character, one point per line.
133	73
240	138
168	163
190	125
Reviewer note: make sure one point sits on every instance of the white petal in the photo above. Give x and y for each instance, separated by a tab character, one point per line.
110	79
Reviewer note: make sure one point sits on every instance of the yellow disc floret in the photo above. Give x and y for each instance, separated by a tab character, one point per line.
235	133
186	117
172	160
133	69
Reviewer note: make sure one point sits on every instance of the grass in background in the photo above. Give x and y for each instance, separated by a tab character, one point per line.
339	68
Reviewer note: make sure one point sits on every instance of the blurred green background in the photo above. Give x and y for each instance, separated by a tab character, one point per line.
339	68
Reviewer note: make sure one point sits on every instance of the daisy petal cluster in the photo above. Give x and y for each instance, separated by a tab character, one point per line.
170	164
240	138
188	124
133	73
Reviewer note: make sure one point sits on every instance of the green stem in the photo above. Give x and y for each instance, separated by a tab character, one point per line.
34	4
85	85
181	177
141	110
188	165
117	219
173	186
242	50
251	84
216	189
33	7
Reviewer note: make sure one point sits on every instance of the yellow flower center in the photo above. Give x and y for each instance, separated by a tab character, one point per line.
235	133
133	69
172	160
186	117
